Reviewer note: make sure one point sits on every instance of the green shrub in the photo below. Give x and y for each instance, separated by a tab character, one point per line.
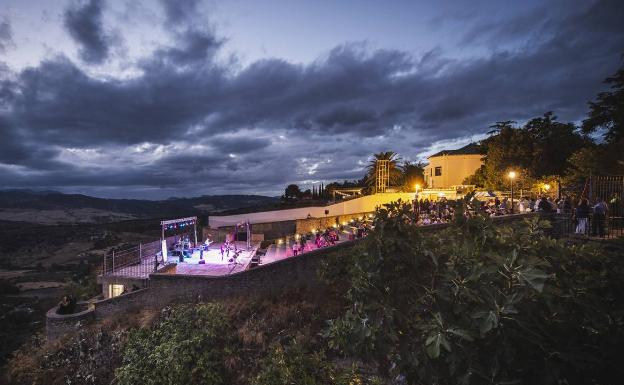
189	345
481	303
291	365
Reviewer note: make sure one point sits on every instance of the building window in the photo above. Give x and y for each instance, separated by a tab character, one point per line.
115	290
438	171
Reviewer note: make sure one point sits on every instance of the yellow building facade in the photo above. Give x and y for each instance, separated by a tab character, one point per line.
450	168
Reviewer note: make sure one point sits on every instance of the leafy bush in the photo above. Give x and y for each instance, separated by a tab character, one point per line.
191	344
481	303
291	365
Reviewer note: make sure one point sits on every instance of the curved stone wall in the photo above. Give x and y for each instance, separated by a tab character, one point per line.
59	324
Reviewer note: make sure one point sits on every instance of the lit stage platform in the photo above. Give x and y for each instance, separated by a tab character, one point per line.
215	264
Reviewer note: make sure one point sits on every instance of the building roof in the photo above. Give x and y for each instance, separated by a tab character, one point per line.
469	149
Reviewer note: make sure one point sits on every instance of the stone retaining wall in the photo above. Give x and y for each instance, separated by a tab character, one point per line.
129	301
287	274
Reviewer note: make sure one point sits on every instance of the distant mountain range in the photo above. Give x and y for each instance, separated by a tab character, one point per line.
50	207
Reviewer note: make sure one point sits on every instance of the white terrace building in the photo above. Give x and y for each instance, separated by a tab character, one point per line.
450	168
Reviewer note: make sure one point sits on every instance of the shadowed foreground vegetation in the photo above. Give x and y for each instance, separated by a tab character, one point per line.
473	304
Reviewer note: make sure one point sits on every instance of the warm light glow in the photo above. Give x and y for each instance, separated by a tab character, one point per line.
417	186
441	194
370	215
335	226
546	187
512	174
297	236
279	241
344	223
313	231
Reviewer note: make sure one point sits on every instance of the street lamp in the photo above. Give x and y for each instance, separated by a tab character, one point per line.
416	204
546	187
512	176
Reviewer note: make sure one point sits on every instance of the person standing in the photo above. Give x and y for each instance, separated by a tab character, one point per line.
600	216
302	243
581	214
567	205
544	205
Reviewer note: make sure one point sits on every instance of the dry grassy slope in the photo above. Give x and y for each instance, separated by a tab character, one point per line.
258	322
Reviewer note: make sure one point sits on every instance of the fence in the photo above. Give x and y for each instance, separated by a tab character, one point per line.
606	227
609	188
137	261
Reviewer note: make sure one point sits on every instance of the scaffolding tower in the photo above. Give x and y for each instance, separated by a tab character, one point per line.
383	175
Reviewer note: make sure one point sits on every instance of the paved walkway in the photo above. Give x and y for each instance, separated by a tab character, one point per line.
283	251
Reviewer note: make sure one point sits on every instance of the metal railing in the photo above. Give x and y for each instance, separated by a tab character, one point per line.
138	261
596	226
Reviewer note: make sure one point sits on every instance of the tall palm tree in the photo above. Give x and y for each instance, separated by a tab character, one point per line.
413	173
395	174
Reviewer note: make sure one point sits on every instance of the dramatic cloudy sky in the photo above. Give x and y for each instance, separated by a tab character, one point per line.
142	98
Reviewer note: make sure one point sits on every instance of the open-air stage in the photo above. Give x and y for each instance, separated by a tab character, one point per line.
214	263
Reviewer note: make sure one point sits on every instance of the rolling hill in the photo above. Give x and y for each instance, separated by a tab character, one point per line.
51	207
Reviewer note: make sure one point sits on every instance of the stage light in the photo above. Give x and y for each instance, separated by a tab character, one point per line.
512	174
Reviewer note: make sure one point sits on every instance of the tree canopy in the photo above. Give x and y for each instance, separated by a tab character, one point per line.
606	114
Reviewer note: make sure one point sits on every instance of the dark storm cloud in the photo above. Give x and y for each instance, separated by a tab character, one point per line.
179	11
6	35
237	145
328	114
65	106
193	47
83	21
195	41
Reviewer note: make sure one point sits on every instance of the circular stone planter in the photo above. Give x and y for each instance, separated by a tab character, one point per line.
59	324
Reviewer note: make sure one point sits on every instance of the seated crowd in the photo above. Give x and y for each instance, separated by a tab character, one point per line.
429	212
433	212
